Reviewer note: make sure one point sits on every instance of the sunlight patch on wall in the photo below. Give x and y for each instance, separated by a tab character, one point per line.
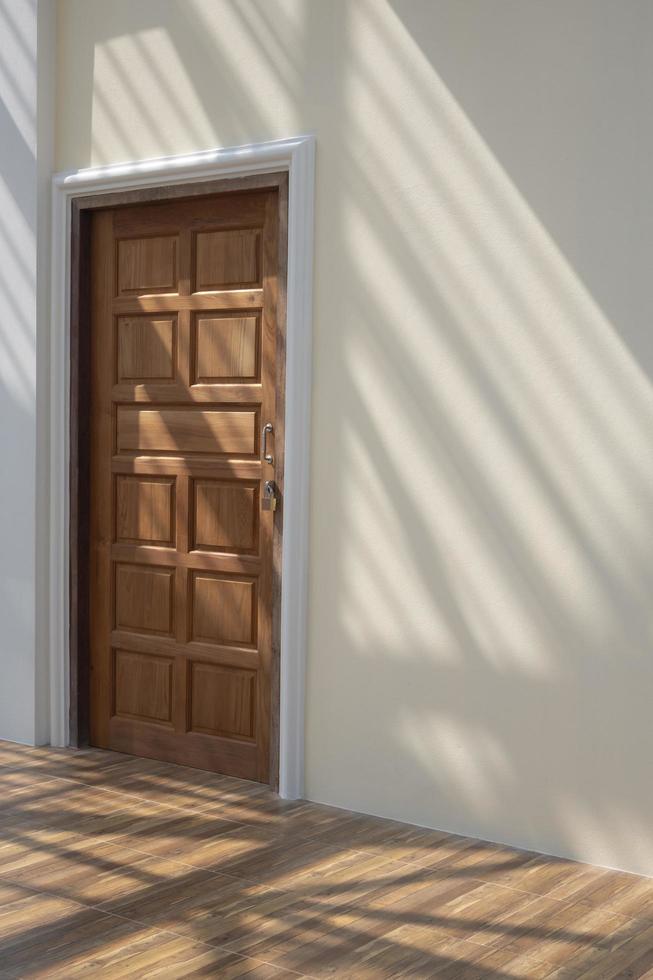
16	287
131	74
521	477
207	62
17	26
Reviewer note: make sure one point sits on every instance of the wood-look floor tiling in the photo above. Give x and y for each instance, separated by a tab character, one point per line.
117	867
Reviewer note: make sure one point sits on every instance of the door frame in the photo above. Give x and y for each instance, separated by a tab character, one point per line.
183	176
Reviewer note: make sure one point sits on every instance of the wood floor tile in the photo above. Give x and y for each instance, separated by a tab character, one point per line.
629	895
289	818
474	914
183	959
29	916
87	943
221	911
209	842
186	789
559	937
15	754
193	838
301	865
363	832
58	803
202	841
81	764
14	779
593	963
527	964
53	947
83	870
327	930
428	848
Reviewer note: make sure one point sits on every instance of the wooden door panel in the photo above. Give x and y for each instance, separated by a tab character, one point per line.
225	300
147	265
210	431
223	700
146	348
144	598
143	686
222	610
226	348
224	516
227	259
145	510
183	349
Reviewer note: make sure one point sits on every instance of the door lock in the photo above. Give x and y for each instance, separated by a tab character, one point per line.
270	492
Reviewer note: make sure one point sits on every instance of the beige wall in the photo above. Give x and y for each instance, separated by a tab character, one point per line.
481	624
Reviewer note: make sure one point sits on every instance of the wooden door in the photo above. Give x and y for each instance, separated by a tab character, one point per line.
184	344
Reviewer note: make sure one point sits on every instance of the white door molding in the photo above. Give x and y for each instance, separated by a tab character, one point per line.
297	157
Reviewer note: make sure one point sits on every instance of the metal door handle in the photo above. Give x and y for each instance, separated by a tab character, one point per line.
268	427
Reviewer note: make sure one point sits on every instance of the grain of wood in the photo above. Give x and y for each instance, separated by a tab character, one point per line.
126	867
182	583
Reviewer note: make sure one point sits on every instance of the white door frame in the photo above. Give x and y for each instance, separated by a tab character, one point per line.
297	157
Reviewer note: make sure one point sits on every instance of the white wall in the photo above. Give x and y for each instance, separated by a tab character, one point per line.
480	654
26	139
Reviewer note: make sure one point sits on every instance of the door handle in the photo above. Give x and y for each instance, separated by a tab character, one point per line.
268	427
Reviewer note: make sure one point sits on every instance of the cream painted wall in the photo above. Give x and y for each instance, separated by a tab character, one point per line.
481	625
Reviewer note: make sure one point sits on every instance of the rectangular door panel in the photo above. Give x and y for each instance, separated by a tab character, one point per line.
228	259
184	345
209	431
144	598
143	686
226	348
222	610
223	700
224	516
146	348
147	265
145	510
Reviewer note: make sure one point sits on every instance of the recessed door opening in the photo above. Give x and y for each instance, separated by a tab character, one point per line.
177	457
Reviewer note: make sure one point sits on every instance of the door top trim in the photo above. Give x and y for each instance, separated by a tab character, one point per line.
295	155
244	160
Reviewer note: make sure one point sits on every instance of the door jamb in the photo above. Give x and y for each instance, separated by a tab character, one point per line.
295	156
